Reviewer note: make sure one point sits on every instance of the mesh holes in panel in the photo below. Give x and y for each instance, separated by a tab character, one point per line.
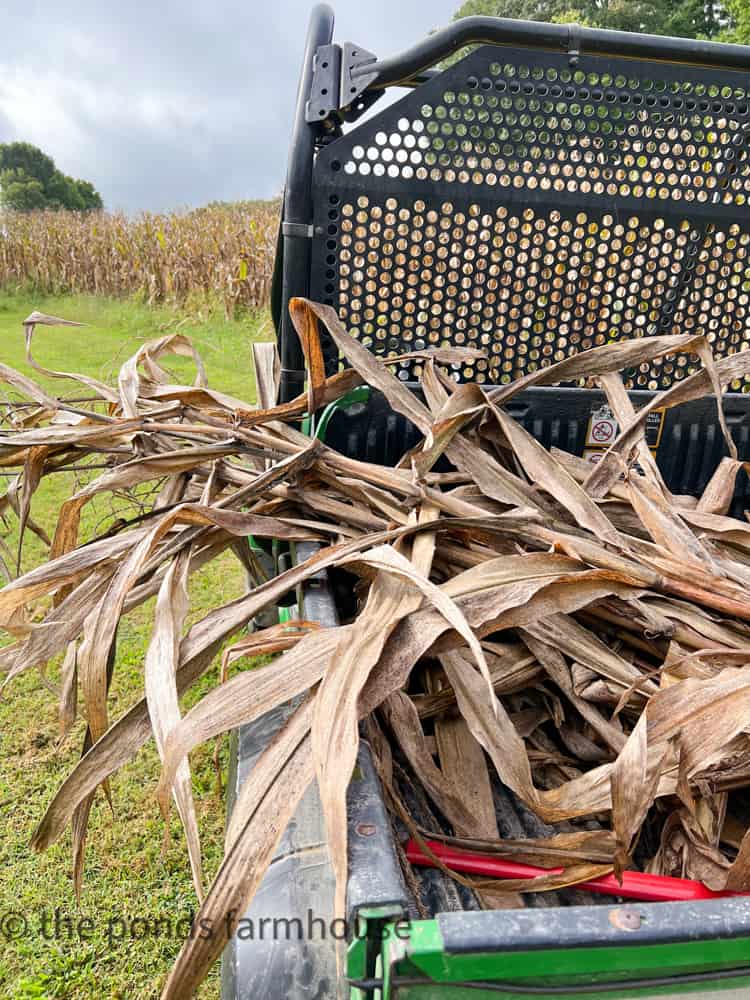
530	289
571	131
533	211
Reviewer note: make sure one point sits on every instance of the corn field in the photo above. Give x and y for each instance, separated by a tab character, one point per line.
219	252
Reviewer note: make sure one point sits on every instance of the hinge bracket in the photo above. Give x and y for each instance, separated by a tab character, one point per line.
335	86
352	57
325	86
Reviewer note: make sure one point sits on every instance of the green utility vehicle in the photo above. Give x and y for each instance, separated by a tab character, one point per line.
552	189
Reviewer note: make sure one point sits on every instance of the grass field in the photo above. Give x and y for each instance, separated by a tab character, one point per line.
128	877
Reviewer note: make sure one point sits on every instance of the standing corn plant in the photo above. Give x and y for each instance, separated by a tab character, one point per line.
222	253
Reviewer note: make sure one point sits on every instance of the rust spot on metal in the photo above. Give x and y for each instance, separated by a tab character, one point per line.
365	829
625	918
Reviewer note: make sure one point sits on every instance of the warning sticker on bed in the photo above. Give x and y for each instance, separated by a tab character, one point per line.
654	427
602	428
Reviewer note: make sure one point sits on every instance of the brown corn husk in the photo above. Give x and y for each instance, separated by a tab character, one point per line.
576	639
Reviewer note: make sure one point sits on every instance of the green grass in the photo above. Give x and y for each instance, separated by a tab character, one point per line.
114	330
128	874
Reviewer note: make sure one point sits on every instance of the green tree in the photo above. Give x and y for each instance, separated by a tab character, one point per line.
29	159
30	180
88	194
62	193
738	14
688	18
21	192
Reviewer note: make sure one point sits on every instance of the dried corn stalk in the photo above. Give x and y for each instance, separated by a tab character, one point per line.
580	637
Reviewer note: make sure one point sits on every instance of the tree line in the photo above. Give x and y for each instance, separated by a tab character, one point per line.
29	180
727	21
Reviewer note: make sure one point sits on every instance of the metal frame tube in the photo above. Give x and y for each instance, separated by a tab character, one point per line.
562	37
298	210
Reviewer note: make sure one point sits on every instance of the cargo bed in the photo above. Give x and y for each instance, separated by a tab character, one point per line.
554	189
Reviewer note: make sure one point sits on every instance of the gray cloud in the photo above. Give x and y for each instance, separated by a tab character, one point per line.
177	102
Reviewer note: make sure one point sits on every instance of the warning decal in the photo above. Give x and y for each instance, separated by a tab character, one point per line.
602	428
653	428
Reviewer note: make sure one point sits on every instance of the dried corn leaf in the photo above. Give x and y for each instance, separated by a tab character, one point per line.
574	614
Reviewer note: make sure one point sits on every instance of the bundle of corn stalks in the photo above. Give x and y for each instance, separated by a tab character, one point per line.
582	632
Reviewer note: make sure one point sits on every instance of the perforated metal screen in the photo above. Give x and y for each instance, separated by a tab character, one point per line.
533	209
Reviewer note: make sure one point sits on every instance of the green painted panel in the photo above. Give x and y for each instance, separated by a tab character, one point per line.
421	955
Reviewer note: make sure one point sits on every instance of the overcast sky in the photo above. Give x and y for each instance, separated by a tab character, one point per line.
165	103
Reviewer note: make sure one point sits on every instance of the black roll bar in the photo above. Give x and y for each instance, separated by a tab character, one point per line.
572	38
296	225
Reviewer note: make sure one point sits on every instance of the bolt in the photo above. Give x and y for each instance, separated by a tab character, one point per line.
625	919
365	829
